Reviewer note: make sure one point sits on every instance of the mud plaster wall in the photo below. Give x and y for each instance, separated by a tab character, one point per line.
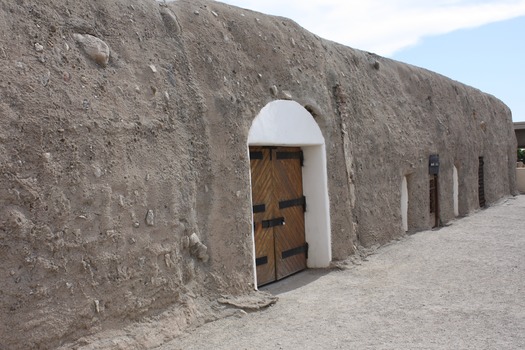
106	172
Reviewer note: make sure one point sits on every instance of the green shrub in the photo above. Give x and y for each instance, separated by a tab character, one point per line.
521	154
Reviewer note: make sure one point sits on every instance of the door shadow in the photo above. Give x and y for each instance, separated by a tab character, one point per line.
295	281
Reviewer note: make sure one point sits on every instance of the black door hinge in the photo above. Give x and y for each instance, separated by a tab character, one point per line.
259	208
293	203
291	155
273	222
295	251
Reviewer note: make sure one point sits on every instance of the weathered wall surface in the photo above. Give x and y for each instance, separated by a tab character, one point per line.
106	171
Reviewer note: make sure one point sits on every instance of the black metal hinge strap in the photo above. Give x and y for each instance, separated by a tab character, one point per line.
273	222
291	155
256	155
259	208
295	251
293	203
271	148
261	261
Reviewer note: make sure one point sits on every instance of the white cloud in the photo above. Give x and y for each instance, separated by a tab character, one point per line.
386	26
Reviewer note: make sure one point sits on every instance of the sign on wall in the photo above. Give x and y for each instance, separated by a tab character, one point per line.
433	164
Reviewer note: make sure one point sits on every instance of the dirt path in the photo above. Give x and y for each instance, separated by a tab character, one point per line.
460	287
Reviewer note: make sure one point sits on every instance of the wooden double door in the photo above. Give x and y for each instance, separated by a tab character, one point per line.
278	212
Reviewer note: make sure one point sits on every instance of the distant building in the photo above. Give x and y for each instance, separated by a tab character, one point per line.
519	129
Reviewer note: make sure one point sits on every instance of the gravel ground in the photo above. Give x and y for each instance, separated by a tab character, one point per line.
459	287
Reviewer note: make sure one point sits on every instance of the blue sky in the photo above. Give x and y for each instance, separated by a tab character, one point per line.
477	42
490	58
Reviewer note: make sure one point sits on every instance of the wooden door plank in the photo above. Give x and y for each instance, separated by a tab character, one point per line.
262	188
290	237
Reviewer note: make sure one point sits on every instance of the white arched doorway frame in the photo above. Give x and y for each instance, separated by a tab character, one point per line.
455	190
287	123
404	204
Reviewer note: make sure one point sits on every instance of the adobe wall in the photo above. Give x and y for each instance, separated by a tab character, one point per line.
108	170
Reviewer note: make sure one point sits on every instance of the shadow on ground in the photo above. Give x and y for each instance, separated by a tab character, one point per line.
293	282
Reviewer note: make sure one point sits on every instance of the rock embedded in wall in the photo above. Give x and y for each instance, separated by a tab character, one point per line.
95	48
150	218
197	249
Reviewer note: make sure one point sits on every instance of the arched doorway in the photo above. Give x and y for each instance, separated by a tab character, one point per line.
404	204
455	188
287	128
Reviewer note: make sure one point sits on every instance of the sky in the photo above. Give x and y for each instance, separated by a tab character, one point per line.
480	43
